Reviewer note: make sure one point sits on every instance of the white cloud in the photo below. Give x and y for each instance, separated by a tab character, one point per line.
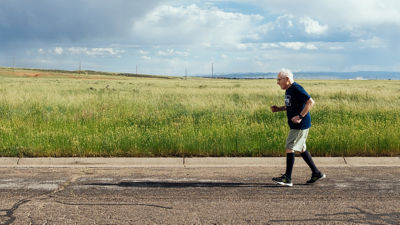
241	46
332	20
289	45
58	50
145	57
172	52
95	51
292	28
374	42
269	45
298	45
194	25
335	47
284	21
339	12
142	52
84	51
311	46
105	51
290	23
313	26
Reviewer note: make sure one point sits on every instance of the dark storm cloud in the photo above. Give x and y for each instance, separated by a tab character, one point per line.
60	21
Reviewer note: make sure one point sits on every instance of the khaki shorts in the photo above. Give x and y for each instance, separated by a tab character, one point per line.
296	140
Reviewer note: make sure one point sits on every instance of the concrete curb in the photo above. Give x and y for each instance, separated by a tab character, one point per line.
100	162
260	162
196	162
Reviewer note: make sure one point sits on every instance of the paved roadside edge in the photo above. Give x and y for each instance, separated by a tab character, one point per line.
195	162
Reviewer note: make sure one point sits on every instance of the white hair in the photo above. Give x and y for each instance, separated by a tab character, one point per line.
287	73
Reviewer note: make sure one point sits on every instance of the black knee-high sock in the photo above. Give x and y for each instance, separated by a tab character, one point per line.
308	159
289	164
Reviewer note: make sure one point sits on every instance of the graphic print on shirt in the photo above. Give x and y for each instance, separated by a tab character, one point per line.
287	100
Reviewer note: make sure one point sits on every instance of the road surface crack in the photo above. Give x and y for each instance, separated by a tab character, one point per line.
10	212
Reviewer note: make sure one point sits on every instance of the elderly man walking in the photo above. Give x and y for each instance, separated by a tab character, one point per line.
297	106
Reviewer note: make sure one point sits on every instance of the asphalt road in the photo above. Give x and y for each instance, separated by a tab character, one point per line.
349	195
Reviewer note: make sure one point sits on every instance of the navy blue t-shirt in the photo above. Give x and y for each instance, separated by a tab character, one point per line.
295	100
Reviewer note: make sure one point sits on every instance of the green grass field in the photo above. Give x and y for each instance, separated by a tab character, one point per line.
57	114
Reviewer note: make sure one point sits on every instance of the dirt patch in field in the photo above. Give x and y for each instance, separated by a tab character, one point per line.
93	78
27	74
34	74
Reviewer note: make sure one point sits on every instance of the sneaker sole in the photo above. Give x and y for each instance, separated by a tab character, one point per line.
284	184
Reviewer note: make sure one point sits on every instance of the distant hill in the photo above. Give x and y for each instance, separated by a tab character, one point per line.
359	75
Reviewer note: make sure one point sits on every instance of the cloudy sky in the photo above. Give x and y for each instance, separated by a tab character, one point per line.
167	36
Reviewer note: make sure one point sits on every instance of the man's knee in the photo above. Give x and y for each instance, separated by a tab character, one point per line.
289	151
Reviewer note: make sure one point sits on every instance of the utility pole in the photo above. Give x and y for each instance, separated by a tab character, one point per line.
185	73
80	67
136	69
212	70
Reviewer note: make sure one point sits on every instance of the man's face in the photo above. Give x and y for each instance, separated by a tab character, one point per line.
283	82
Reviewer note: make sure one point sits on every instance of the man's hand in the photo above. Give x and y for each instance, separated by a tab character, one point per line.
296	119
274	108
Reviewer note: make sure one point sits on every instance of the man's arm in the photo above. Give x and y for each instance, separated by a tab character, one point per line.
309	104
275	108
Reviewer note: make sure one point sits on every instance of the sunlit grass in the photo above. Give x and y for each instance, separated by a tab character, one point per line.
121	116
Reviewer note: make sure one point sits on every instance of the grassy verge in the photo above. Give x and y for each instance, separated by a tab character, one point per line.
87	115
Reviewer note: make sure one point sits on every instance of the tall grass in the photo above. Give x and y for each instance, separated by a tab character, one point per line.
120	116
